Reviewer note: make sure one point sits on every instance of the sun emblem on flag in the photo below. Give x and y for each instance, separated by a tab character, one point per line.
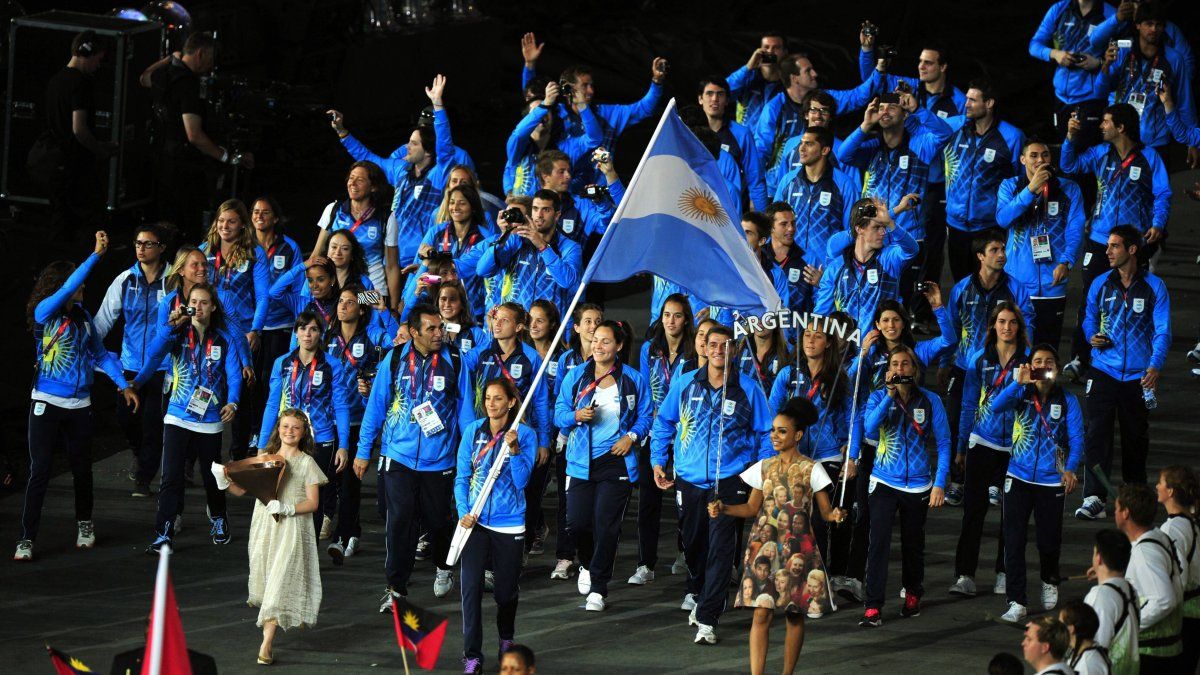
700	204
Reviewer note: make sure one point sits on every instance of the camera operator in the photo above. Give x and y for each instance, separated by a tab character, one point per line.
931	86
1127	358
577	95
1118	25
735	139
186	152
1133	189
541	130
580	218
782	116
1044	215
1134	75
61	159
759	81
1065	39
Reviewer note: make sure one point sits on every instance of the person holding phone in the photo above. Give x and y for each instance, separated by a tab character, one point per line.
1064	38
903	479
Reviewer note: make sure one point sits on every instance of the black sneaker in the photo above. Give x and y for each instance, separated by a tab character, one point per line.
142	489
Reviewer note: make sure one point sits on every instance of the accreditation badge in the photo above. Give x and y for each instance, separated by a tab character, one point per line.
318	378
439	383
214	354
1052	208
466	344
1055	411
357	350
825	198
725	147
1139	304
919	415
631	401
551	368
989	155
517	369
1135	172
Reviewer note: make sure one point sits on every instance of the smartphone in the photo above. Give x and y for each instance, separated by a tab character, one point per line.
1124	44
431	279
369	298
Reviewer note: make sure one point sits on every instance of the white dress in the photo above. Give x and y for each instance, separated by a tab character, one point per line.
285	575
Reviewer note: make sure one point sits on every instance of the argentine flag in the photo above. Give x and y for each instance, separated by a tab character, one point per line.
674	222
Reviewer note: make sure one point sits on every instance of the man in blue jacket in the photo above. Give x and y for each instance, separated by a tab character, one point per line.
1133	189
820	192
981	152
1064	38
1044	216
414	404
757	82
703	416
580	217
1128	323
735	139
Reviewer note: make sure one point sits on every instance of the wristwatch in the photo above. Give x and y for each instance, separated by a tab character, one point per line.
632	436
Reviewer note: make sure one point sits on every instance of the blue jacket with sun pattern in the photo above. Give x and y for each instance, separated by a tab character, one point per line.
1041	428
980	423
68	347
902	456
486	362
1137	320
1133	190
404	381
975	166
517	272
505	505
690	418
211	362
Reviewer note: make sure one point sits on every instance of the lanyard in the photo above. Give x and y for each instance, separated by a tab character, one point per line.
595	383
757	367
296	368
446	239
479	457
217	267
920	431
346	351
194	357
816	383
1000	378
316	304
412	371
361	219
666	368
1133	69
62	329
1037	405
1124	165
503	369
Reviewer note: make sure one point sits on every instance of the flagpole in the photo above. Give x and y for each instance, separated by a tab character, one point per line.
461	534
160	608
404	658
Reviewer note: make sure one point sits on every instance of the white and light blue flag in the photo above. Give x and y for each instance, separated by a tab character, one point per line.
674	221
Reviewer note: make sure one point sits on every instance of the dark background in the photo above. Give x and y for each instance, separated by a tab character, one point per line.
317	54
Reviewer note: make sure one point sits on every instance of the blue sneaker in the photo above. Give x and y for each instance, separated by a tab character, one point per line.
1092	509
220	530
472	665
158	542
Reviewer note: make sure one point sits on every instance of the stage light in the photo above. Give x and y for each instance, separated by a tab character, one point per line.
128	13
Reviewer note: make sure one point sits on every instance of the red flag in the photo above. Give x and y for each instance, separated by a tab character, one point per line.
174	647
419	631
65	664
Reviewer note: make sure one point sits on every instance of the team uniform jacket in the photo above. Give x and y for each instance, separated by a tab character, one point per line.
636	414
689	421
1066	29
318	390
1133	78
405	380
359	356
484	363
823	207
824	440
980	422
1133	190
902	456
1137	320
135	300
1042	430
857	288
505	506
975	166
519	273
971	306
1057	212
243	292
371	232
194	362
282	256
520	170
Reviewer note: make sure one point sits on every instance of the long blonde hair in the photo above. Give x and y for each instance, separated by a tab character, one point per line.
174	278
306	444
242	249
443	211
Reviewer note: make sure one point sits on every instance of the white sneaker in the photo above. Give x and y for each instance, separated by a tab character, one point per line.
24	551
680	564
705	635
994	495
692	620
1049	596
443	583
352	546
326	527
389	596
87	534
964	587
584	581
642	576
1001	585
689	602
595	602
1194	355
1016	612
562	570
1091	509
